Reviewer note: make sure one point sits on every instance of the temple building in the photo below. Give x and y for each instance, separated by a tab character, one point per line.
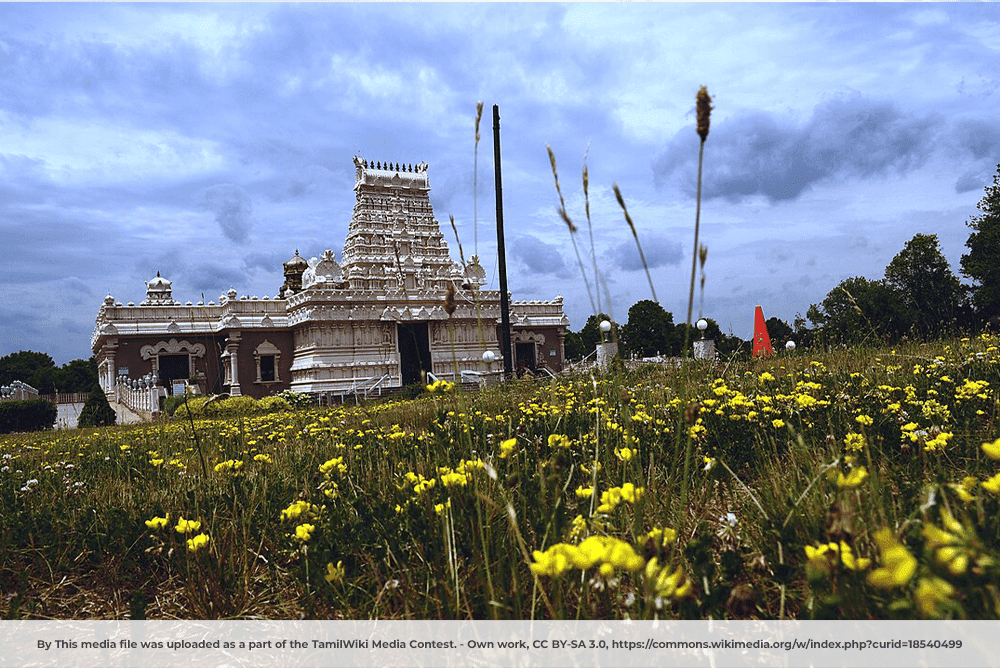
395	306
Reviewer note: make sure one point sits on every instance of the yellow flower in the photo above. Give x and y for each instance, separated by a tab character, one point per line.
992	450
303	532
855	441
198	542
297	509
187	526
507	447
335	463
853	479
158	522
558	441
899	565
233	465
335	574
584	492
765	377
664	584
992	485
865	420
624	454
262	458
930	593
778	424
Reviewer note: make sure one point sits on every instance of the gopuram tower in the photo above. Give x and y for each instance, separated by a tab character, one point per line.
397	305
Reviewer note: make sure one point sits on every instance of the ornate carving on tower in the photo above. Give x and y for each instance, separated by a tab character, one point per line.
158	292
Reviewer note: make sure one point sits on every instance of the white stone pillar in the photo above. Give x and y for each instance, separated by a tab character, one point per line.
232	346
605	352
704	349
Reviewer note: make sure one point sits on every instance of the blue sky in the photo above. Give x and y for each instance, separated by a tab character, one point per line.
210	141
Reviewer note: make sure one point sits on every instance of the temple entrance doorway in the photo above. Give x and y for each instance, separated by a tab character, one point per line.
173	367
414	350
524	355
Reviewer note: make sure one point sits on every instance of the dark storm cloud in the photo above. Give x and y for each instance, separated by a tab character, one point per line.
659	252
233	209
538	256
211	280
758	154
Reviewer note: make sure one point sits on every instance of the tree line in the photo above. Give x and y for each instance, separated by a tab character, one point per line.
40	371
919	297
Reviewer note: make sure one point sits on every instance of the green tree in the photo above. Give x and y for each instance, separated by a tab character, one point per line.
859	309
928	289
779	332
97	412
77	376
591	333
982	262
574	346
649	330
28	367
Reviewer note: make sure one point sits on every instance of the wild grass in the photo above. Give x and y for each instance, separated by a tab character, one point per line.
852	484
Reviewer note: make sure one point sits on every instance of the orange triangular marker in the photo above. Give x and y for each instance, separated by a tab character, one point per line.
761	341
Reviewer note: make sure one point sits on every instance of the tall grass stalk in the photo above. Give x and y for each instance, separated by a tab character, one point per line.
571	227
704	109
590	227
635	236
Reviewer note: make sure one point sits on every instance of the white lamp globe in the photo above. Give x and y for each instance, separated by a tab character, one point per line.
790	346
489	356
605	326
702	324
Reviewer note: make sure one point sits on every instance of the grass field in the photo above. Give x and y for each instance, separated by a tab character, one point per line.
857	484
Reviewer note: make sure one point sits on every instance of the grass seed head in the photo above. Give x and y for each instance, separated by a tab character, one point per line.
479	117
704	105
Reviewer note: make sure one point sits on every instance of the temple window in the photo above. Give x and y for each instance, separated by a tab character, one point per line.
267	356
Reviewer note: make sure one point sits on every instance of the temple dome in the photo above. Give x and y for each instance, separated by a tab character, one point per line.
296	263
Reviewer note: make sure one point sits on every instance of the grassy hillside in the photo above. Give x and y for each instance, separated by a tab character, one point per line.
860	483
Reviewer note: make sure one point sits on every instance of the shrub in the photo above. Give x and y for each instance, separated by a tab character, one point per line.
27	415
233	406
274	404
97	412
195	404
295	399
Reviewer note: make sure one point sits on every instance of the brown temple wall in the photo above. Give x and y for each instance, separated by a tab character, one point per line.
247	363
129	355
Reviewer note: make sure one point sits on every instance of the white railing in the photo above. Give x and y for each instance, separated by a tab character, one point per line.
366	386
140	395
17	391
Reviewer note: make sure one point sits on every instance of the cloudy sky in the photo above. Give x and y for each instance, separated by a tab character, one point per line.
210	141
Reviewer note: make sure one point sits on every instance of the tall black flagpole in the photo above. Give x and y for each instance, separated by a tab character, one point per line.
508	362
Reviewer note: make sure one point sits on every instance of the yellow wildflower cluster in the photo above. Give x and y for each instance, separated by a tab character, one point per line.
187	526
609	552
559	441
898	564
158	522
198	542
441	386
229	466
822	558
335	574
419	483
507	447
337	463
459	476
665	585
853	479
304	532
614	496
299	509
